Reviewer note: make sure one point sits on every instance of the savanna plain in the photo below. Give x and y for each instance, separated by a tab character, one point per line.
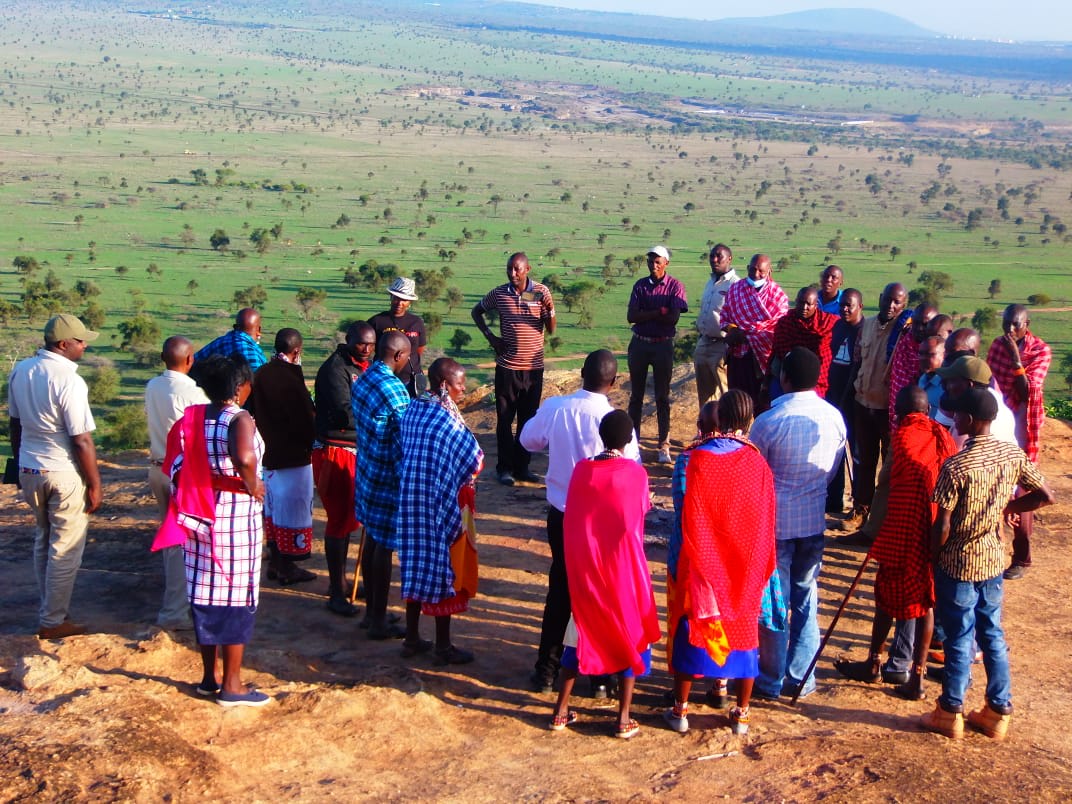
159	170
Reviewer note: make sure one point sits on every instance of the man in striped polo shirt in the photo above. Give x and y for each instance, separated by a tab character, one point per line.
525	309
974	493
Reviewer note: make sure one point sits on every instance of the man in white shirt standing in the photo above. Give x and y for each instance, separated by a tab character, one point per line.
568	428
52	439
710	355
166	397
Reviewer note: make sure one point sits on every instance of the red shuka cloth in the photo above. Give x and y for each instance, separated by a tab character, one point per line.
727	549
904	585
813	334
1035	355
609	582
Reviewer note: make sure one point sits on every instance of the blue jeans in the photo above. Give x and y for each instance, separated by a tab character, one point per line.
967	608
784	656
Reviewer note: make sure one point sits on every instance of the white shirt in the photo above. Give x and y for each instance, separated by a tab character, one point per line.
166	397
1003	428
51	403
709	321
568	428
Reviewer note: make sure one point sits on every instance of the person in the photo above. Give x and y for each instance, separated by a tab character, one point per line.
214	460
968	372
974	492
614	615
941	325
52	443
243	340
403	293
334	457
655	305
871	407
931	357
709	359
961	342
525	310
904	362
749	316
437	475
1020	360
805	325
568	428
802	438
904	583
378	399
839	392
719	559
830	289
166	396
286	420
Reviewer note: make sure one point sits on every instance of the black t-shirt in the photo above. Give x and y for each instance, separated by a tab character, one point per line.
410	325
842	369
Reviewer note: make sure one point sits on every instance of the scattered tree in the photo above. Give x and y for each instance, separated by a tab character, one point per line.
460	339
219	240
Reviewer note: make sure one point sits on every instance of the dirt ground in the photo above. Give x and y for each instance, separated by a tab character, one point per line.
113	716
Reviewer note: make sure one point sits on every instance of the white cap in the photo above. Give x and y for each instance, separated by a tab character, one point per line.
660	251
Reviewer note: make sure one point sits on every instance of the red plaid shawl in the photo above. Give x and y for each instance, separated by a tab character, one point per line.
813	334
904	585
1035	355
903	369
755	312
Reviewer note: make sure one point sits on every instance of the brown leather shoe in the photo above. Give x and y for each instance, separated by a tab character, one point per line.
853	522
992	724
64	629
951	724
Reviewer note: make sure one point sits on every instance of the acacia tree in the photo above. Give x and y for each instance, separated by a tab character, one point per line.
219	240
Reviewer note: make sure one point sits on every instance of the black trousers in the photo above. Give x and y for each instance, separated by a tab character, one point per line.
556	609
660	356
517	396
872	443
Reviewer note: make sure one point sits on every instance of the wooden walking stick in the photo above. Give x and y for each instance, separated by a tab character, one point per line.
830	630
357	568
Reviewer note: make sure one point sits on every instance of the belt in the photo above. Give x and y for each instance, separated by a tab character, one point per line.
713	337
235	485
28	471
646	339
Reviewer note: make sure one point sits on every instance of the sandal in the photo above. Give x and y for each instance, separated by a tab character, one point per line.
866	671
453	655
909	692
627	730
410	649
559	722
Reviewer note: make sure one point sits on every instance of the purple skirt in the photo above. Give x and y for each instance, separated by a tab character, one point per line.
223	625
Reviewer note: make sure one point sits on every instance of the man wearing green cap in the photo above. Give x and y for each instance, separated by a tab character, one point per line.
52	438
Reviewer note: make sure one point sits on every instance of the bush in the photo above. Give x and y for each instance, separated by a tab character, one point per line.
103	385
126	428
1038	300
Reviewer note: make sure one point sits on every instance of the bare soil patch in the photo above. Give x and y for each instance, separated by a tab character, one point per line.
112	715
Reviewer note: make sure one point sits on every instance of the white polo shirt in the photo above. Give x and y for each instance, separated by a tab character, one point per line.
166	397
51	403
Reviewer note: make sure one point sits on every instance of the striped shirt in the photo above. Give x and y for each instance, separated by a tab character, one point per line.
651	295
521	322
976	484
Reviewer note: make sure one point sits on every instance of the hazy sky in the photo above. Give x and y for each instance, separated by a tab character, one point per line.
1048	20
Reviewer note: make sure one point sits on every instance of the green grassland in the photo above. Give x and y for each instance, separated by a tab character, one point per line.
355	144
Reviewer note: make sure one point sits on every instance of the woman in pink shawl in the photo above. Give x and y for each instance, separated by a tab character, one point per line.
614	617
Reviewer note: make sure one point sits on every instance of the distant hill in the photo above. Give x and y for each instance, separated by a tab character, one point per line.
861	21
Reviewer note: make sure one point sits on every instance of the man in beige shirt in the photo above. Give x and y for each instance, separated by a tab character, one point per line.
166	397
52	438
875	344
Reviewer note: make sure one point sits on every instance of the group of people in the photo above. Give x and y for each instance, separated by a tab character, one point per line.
238	445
